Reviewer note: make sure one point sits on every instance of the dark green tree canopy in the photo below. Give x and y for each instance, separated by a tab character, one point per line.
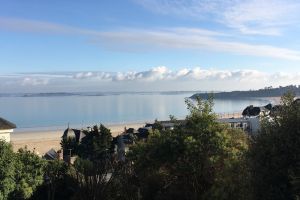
275	153
194	161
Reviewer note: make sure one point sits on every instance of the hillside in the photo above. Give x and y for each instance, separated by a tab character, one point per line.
266	92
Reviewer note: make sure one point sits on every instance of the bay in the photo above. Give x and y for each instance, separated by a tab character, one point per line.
81	110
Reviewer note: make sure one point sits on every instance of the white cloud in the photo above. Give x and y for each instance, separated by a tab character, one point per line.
89	75
30	81
160	73
190	40
264	17
180	38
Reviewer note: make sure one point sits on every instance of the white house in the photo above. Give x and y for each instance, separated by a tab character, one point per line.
249	124
6	128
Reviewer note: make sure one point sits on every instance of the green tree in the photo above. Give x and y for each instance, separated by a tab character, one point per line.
56	173
94	167
29	174
193	161
275	153
124	182
7	170
93	179
58	184
96	144
70	143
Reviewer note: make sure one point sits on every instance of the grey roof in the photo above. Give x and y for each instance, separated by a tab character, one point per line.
70	132
51	154
232	120
4	124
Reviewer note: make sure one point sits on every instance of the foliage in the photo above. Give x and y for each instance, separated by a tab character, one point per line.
94	167
274	153
21	173
96	144
7	170
93	178
70	143
195	161
29	173
157	125
57	174
123	183
58	184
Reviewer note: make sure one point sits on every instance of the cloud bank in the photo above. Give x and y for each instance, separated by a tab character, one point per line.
154	79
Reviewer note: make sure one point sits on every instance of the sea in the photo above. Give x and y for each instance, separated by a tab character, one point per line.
86	109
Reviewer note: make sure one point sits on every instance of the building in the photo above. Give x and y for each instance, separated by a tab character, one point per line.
6	128
71	139
248	124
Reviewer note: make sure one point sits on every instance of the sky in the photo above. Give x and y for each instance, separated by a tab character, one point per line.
148	45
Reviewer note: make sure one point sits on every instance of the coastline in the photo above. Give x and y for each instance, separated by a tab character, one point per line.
42	139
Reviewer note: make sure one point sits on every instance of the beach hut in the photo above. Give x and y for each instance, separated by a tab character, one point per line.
6	128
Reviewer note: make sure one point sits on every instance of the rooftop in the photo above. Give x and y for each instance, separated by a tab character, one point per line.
232	120
4	124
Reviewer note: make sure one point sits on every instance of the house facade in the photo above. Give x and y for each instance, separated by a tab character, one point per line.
6	128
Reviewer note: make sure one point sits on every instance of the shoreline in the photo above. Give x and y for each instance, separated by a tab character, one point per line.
42	139
110	125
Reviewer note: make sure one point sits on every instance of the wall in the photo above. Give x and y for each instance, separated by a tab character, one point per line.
5	135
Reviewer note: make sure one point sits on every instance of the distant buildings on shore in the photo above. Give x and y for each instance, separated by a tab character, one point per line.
248	121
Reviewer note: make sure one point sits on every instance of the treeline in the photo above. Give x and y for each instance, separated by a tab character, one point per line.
266	92
200	159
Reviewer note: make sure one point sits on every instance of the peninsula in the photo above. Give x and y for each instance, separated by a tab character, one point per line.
266	92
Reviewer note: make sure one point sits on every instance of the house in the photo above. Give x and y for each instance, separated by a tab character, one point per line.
143	132
248	124
72	137
6	128
73	133
238	123
251	117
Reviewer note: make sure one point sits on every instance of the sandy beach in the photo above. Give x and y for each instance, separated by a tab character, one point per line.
41	140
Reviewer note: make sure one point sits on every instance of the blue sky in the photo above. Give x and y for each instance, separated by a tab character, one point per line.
148	45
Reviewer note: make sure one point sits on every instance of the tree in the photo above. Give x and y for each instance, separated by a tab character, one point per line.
70	144
94	166
7	170
193	161
58	184
157	125
29	174
275	153
56	173
96	144
21	173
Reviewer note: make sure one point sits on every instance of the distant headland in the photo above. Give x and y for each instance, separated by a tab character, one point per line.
266	92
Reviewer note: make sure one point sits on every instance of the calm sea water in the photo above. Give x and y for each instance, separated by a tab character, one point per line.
28	112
